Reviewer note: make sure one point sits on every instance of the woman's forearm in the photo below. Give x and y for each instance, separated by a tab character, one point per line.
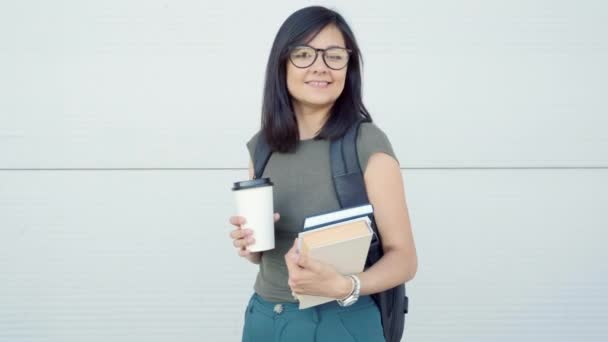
391	270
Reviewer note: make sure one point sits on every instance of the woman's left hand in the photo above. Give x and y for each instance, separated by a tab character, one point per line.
312	277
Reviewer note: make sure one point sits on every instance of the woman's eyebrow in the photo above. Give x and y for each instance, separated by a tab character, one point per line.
331	46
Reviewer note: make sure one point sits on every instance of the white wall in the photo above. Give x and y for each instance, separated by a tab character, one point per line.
114	191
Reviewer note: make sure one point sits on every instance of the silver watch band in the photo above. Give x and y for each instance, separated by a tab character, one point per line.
354	296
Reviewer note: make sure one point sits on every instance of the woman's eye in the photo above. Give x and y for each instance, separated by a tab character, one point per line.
302	55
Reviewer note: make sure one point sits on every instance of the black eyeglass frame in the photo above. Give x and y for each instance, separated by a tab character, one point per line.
323	51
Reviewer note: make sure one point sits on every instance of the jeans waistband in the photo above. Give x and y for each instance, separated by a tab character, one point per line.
270	308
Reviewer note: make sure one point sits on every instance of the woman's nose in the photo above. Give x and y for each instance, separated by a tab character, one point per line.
319	64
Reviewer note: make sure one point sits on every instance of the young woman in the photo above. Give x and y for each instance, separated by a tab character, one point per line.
312	95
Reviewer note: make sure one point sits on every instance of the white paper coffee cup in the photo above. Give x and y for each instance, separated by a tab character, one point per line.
254	202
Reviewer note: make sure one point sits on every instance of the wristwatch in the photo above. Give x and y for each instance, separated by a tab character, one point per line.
354	296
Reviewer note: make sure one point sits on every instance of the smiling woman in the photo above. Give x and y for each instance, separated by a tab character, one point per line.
312	82
314	66
312	96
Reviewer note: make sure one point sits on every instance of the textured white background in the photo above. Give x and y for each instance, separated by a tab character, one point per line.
123	124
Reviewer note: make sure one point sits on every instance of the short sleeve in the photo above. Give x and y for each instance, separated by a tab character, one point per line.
252	143
370	140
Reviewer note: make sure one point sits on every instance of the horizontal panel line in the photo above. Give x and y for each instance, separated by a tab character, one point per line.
243	169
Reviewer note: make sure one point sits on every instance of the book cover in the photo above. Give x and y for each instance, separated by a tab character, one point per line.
337	239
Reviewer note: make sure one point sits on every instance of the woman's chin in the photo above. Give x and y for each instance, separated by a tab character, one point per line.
319	102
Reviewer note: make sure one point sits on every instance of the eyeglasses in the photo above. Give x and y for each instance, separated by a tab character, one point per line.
303	56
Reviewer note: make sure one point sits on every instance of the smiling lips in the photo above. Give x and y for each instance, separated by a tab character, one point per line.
318	84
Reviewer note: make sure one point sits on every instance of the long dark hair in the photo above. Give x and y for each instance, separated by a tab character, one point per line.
279	125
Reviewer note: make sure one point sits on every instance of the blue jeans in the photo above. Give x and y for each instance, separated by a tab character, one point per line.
278	322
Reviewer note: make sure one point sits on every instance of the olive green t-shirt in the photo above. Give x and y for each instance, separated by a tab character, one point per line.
303	186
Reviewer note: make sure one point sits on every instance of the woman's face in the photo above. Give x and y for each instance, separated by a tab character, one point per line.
317	85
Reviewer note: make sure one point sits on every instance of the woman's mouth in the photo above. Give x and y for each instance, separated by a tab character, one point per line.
318	84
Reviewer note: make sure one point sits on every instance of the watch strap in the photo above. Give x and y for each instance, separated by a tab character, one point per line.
354	296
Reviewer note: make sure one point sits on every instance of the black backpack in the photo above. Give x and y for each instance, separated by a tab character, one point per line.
350	190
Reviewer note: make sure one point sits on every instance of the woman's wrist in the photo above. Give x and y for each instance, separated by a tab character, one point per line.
345	288
255	257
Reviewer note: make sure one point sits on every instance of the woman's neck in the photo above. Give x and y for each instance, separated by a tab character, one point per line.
310	120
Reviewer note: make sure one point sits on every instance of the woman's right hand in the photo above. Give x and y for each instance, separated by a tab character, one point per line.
241	238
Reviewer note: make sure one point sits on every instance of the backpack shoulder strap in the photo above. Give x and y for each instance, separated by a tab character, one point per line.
346	171
261	156
349	183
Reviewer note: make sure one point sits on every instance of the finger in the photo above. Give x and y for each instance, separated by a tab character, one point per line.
309	263
237	220
244	252
294	276
241	233
294	254
302	261
243	242
277	217
290	260
305	261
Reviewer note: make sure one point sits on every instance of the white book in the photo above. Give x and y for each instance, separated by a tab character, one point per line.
337	216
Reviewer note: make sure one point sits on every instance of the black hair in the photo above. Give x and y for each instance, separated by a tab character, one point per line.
279	123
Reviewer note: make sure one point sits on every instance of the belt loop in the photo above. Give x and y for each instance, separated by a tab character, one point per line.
315	314
251	301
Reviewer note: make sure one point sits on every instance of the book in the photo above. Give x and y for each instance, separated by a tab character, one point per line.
340	238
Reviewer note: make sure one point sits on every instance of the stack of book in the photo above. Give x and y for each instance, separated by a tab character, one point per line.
340	238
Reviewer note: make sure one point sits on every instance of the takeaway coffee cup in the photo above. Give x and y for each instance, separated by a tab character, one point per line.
254	202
